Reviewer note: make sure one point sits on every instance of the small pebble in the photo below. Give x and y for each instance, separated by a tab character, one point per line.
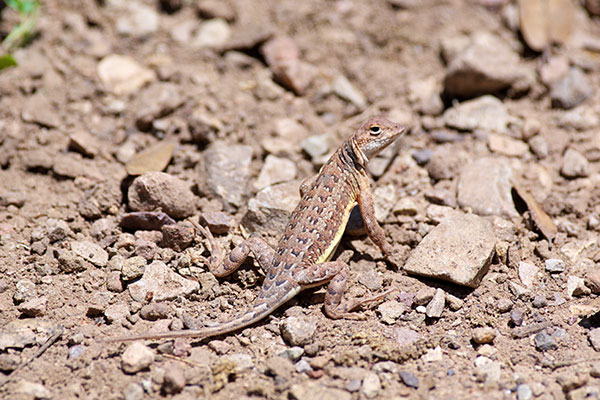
136	358
524	392
544	342
554	265
371	385
298	331
540	301
422	156
436	305
594	338
302	366
483	335
516	317
409	379
353	385
174	378
504	304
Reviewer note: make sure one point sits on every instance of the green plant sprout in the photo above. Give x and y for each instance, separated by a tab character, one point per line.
28	15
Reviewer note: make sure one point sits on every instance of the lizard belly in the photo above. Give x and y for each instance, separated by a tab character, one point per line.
330	250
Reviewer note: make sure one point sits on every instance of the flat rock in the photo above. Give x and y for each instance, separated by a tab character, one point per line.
424	94
164	283
90	252
275	170
572	89
485	187
35	307
594	338
154	191
123	75
371	385
156	101
458	250
228	171
32	390
527	274
481	64
390	311
506	145
271	208
485	113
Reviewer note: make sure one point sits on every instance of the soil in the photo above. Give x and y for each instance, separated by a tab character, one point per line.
58	188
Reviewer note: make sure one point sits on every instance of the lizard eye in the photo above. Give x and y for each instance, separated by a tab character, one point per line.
375	130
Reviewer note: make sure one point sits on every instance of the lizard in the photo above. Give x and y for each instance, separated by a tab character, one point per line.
302	258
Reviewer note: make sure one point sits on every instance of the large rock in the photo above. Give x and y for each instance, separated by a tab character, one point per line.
228	171
154	191
484	186
482	64
571	90
162	282
458	250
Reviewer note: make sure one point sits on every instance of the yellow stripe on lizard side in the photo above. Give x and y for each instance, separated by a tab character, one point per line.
326	256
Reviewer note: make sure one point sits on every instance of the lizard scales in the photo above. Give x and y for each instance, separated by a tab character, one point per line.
302	257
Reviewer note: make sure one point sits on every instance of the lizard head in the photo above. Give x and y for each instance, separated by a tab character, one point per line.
373	136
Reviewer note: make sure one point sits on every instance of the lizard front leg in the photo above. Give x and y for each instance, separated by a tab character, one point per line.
374	230
221	266
336	273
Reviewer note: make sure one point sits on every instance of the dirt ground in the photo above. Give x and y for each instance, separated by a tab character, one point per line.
234	83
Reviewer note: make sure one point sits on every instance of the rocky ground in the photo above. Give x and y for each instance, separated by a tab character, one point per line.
491	201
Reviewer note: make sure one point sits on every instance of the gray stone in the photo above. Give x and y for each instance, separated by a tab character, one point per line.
409	379
574	164
162	282
539	301
554	265
485	187
436	305
302	366
544	342
516	316
275	170
371	385
524	392
228	171
91	252
572	89
298	331
133	391
39	109
317	145
136	358
154	311
25	291
504	304
217	221
133	268
486	113
116	313
483	63
580	118
270	210
458	250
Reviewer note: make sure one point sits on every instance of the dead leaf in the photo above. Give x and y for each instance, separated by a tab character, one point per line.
541	220
154	158
544	22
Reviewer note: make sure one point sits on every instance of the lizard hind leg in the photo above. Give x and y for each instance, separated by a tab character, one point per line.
221	265
336	273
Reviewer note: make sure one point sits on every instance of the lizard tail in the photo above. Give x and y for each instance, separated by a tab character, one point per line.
248	318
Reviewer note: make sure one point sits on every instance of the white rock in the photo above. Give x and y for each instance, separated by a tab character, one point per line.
123	75
485	113
275	170
212	33
527	274
371	385
137	19
162	282
136	358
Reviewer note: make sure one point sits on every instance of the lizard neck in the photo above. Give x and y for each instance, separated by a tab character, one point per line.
351	156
